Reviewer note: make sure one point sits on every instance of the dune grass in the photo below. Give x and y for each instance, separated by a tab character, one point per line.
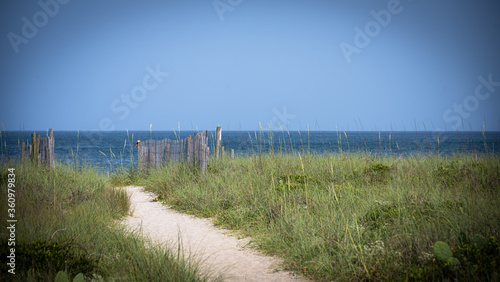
68	225
351	217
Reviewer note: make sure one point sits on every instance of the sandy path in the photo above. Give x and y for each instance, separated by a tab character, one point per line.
219	252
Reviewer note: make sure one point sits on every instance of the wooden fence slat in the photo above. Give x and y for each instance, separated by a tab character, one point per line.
151	154
217	141
51	152
37	150
196	150
140	154
167	153
189	152
160	151
203	167
33	147
43	150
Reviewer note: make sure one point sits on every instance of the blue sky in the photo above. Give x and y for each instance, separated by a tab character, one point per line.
352	65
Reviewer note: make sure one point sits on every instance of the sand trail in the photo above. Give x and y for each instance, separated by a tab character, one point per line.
218	252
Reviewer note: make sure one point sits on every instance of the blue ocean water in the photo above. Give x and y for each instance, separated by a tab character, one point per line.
115	150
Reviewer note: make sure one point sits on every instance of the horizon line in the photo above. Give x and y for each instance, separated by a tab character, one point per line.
244	130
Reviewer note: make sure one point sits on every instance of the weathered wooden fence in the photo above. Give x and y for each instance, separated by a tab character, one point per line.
156	153
41	150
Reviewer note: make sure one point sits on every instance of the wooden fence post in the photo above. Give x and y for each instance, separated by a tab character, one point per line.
232	154
50	160
43	151
141	161
33	147
22	153
37	151
217	141
201	151
196	149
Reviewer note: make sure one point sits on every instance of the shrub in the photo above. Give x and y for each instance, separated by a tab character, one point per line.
293	181
377	172
51	257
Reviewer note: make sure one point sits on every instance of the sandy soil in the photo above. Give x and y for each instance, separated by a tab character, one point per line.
218	252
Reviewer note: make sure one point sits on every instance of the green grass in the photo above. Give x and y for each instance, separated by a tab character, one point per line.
68	220
350	217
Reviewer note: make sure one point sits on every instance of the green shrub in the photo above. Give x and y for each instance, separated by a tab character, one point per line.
381	215
443	253
377	172
474	175
475	259
293	181
48	258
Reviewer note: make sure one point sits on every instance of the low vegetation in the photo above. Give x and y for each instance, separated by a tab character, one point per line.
68	230
351	217
329	217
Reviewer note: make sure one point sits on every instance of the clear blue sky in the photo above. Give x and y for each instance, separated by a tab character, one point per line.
385	65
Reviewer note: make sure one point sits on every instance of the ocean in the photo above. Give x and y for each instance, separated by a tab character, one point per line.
112	151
